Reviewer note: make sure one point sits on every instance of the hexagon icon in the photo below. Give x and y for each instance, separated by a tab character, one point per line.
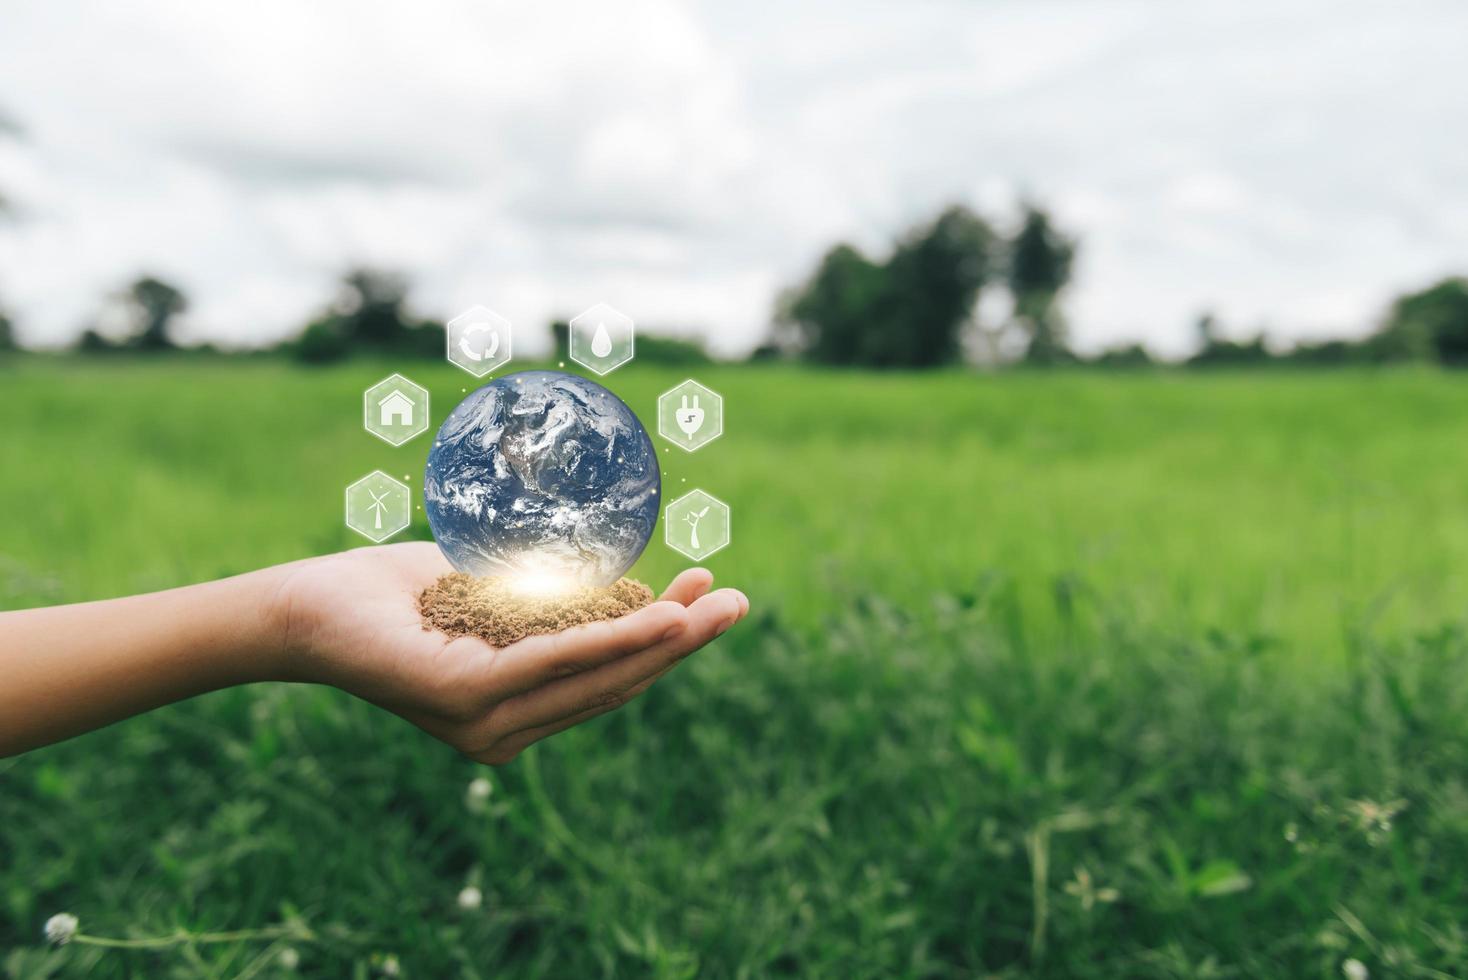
601	339
378	506
696	525
690	415
395	409
478	340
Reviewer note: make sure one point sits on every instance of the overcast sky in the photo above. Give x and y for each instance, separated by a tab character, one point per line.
1290	163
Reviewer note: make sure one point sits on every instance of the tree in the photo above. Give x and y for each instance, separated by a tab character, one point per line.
151	306
932	283
909	311
7	333
836	307
1432	323
653	349
372	307
1040	259
1207	329
369	315
92	342
1218	351
1325	353
321	342
767	353
1125	357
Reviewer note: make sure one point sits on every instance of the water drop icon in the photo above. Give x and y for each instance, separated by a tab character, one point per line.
601	342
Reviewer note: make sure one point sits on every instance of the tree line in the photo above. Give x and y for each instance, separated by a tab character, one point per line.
917	308
926	304
920	307
369	315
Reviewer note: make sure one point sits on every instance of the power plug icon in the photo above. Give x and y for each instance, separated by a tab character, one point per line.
690	420
690	415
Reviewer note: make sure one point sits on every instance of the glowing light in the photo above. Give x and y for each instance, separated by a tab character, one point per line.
541	583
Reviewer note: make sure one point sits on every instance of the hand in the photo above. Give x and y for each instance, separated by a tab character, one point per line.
351	620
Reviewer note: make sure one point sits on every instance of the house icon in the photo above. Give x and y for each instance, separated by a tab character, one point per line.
395	409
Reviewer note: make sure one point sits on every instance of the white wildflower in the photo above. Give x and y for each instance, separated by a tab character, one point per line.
470	898
390	967
1084	888
289	958
1369	814
1354	969
1374	819
478	793
61	927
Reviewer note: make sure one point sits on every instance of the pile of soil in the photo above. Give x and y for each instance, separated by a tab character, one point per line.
462	605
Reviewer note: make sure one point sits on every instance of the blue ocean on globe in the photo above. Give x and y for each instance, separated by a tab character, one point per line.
542	473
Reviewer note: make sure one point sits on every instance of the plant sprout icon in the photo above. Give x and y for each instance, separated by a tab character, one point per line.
697	525
377	507
693	520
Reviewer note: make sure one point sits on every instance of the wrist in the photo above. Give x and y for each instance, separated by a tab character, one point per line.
260	615
290	622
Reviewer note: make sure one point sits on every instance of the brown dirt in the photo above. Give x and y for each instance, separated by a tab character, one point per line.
462	605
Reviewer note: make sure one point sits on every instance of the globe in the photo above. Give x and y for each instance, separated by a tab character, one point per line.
542	476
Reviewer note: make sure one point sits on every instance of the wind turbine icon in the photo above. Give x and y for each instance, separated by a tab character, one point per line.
377	507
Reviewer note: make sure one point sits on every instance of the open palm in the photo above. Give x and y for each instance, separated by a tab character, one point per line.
351	620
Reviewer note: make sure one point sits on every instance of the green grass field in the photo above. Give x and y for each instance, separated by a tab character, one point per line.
1060	675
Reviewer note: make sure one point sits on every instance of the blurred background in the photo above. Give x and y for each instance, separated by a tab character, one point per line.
1094	439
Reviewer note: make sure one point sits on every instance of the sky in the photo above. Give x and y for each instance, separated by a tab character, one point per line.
1290	165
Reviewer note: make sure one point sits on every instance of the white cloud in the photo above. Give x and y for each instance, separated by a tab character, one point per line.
1289	164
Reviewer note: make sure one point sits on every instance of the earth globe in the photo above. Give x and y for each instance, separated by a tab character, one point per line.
544	478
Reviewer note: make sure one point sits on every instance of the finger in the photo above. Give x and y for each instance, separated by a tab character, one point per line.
690	586
611	685
538	660
508	747
514	744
